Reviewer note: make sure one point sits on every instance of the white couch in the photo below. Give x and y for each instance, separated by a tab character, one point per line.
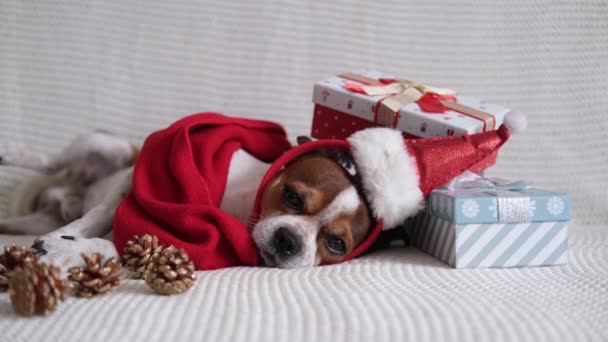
135	66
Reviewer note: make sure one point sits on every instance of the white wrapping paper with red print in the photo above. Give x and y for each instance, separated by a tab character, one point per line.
339	112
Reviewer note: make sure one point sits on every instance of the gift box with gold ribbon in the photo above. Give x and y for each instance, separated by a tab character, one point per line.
352	101
357	100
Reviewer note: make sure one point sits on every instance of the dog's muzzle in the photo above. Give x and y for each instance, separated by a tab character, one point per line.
287	241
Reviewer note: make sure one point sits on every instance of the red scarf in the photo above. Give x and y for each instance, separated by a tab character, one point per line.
179	182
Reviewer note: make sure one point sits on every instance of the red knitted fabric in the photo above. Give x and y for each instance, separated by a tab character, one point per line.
179	182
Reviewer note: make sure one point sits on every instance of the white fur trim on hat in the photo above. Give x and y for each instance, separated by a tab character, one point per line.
388	173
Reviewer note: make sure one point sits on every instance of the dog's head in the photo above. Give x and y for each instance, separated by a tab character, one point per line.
310	214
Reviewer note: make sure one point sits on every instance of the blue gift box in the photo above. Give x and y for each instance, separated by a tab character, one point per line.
499	202
480	222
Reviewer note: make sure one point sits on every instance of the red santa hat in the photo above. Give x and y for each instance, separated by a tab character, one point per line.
181	173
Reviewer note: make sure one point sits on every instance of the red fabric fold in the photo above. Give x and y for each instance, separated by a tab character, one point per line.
179	182
441	159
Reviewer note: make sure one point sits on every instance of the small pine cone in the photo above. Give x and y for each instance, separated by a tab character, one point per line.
171	272
96	277
14	256
139	252
36	289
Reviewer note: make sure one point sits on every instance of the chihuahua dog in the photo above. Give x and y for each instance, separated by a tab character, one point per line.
311	213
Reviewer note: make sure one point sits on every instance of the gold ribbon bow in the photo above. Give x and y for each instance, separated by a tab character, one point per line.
404	92
410	92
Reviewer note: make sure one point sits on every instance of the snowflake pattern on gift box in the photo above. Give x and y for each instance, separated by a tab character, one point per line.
494	208
532	208
555	206
470	208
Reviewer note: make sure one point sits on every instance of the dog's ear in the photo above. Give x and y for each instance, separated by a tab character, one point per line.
302	139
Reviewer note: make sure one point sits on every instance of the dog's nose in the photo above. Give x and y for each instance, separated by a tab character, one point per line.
286	243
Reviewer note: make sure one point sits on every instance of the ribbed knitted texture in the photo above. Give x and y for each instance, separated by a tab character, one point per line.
395	295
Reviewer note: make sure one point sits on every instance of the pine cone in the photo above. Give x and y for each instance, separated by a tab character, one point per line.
14	256
96	277
139	252
36	289
171	272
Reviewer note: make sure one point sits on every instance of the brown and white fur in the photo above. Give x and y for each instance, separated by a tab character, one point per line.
72	206
311	214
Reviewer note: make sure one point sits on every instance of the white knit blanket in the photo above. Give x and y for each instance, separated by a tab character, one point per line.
395	295
132	67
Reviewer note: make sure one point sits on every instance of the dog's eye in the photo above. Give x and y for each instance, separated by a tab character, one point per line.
292	199
335	245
